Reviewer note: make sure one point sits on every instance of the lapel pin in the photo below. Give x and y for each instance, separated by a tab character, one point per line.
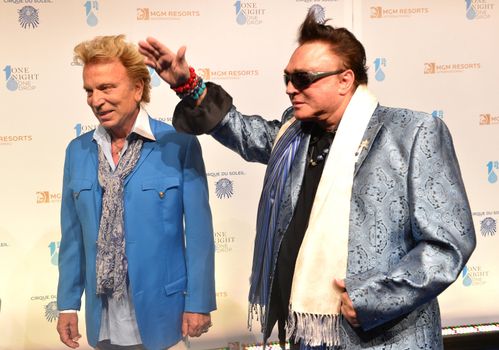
363	145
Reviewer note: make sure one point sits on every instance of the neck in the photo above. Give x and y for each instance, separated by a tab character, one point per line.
330	121
123	130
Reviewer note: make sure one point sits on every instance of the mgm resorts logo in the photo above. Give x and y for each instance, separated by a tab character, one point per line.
148	14
436	68
385	12
488	119
209	74
10	139
45	197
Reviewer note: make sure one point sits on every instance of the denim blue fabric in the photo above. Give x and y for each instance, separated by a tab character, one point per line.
169	237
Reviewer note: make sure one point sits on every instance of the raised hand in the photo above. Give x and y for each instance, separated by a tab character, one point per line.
171	67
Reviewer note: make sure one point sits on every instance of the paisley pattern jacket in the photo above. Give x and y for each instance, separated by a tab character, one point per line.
411	230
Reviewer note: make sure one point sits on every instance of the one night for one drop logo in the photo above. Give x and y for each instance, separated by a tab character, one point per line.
91	7
19	78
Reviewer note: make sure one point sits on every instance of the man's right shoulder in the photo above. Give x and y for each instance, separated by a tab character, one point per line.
83	139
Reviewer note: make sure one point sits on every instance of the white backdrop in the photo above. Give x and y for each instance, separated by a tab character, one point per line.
435	56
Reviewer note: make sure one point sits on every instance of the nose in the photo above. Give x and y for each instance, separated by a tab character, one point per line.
290	89
95	99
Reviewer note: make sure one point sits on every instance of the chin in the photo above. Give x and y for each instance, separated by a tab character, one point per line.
300	115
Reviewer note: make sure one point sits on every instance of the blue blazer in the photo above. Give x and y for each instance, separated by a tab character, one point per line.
168	233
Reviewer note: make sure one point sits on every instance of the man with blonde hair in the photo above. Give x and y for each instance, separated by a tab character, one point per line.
136	225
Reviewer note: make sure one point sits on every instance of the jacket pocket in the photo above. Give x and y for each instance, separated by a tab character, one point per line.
78	186
176	286
160	185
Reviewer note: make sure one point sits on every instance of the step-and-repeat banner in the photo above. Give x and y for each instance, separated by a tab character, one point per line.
435	56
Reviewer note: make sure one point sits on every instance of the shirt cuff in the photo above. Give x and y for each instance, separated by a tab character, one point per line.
202	119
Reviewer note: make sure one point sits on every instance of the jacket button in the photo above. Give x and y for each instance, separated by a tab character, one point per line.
161	195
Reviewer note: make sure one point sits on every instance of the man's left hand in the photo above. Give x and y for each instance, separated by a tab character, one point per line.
347	309
194	324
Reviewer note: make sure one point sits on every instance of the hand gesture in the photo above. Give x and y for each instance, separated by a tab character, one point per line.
172	68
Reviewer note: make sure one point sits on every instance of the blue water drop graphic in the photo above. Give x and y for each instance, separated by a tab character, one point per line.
155	81
241	18
55	258
470	12
380	75
92	19
12	84
467	281
492	177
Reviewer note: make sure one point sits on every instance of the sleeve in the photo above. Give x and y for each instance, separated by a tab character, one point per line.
441	226
200	246
71	253
251	136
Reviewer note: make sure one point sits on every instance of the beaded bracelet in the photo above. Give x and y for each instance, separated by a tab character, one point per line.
194	86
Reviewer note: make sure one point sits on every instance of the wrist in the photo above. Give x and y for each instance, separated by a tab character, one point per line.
194	87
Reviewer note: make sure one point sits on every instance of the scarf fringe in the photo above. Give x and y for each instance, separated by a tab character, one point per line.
313	329
256	312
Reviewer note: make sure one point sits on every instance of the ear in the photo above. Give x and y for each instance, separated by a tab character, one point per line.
139	90
346	82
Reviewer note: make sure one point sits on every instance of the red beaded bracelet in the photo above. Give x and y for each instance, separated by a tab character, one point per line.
189	85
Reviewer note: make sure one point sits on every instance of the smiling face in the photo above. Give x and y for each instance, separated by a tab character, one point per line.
112	95
325	100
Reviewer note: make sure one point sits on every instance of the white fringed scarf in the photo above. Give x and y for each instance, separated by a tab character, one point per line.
314	314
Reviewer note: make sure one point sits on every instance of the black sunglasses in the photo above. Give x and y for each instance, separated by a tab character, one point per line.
302	80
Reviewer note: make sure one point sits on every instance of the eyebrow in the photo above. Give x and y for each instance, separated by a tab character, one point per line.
295	71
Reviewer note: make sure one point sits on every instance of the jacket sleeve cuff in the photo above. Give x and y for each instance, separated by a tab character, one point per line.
202	119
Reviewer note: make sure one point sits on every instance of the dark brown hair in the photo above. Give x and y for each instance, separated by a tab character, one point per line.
343	44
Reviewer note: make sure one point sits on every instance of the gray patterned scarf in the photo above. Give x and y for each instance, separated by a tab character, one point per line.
111	264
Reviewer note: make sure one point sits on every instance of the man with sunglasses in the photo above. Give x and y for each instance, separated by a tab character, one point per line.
357	233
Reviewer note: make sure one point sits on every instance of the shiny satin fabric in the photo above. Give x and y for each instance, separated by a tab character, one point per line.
411	230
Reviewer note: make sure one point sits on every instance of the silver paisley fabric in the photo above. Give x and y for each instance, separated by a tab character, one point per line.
111	263
411	230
